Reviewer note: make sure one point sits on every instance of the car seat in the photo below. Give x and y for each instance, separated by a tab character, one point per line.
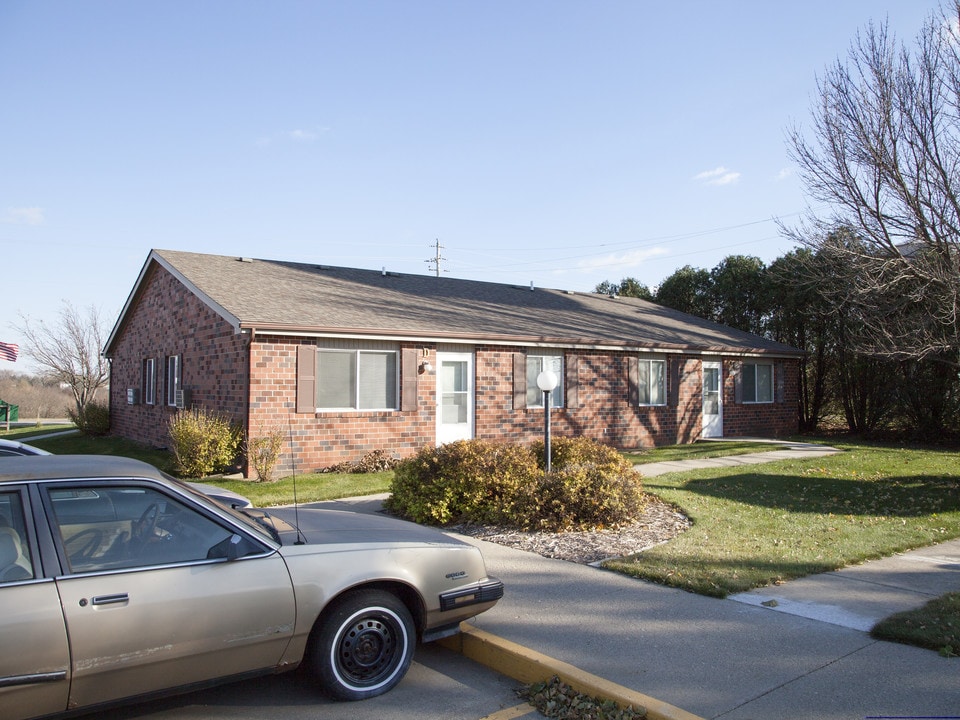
13	564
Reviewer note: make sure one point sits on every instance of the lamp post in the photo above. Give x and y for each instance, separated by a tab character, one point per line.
546	381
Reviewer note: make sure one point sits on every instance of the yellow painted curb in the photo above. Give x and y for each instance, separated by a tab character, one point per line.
529	666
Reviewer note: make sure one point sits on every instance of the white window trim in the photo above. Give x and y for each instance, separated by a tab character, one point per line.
173	383
150	381
558	397
756	386
356	368
663	390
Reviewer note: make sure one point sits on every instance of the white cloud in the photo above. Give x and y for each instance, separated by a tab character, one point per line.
784	174
23	216
302	135
628	259
717	176
298	135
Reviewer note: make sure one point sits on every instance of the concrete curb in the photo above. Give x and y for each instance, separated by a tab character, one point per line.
529	666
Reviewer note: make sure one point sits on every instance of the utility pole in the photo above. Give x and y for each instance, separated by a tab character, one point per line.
436	259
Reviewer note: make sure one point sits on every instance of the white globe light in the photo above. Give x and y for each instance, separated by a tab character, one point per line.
547	380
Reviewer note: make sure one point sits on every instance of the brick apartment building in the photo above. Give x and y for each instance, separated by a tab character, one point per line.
347	361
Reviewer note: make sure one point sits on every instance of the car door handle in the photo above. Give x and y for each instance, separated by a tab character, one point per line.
110	599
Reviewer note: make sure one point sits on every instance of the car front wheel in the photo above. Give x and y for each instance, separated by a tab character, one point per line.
364	645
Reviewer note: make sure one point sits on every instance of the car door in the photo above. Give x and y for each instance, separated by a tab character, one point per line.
35	657
151	599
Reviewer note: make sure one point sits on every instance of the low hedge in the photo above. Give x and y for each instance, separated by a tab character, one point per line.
485	483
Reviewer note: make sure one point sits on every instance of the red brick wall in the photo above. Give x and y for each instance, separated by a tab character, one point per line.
327	438
166	321
776	419
603	409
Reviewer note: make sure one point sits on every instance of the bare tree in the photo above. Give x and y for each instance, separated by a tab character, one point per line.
884	154
69	352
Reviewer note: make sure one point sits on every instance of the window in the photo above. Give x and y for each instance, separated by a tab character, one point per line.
174	379
15	561
114	527
149	381
536	364
357	379
757	382
652	384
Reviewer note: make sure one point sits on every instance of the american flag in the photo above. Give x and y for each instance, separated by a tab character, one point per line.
9	351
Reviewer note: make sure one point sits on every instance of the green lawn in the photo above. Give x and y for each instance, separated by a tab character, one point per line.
936	626
698	451
309	487
783	520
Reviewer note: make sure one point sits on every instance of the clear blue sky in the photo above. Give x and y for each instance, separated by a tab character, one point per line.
555	142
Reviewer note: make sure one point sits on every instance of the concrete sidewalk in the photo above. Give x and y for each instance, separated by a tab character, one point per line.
797	650
784	451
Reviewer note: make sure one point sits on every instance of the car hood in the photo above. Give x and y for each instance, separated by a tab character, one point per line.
327	527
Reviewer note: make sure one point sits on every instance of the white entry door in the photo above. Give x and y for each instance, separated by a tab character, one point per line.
712	400
454	397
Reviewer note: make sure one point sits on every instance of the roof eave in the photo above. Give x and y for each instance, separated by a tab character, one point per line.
409	335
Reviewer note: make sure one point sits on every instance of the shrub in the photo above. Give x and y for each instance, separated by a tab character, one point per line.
263	452
464	481
93	419
373	461
591	486
203	442
481	482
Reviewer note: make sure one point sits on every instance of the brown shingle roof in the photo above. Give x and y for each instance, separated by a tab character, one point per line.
270	295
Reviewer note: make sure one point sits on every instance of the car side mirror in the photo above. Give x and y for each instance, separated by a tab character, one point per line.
228	548
233	547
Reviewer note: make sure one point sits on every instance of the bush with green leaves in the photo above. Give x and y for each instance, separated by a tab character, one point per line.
487	483
203	442
93	419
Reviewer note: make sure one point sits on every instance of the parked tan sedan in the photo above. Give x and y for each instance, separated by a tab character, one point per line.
117	582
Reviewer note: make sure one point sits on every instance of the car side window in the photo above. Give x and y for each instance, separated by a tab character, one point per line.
15	563
109	527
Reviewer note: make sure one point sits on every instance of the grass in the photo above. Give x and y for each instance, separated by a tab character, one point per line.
936	626
699	451
787	519
309	487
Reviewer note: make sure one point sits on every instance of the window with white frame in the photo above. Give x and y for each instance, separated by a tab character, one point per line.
174	379
356	379
652	381
149	381
758	382
536	364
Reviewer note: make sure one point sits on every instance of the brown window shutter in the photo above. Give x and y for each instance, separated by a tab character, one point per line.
571	398
633	380
674	375
306	379
409	379
519	381
736	370
779	382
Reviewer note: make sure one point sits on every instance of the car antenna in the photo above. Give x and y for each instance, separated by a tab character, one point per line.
296	504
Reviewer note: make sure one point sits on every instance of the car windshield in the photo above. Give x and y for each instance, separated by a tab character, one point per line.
256	520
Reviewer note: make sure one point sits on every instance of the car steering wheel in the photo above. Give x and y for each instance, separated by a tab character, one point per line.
147	524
